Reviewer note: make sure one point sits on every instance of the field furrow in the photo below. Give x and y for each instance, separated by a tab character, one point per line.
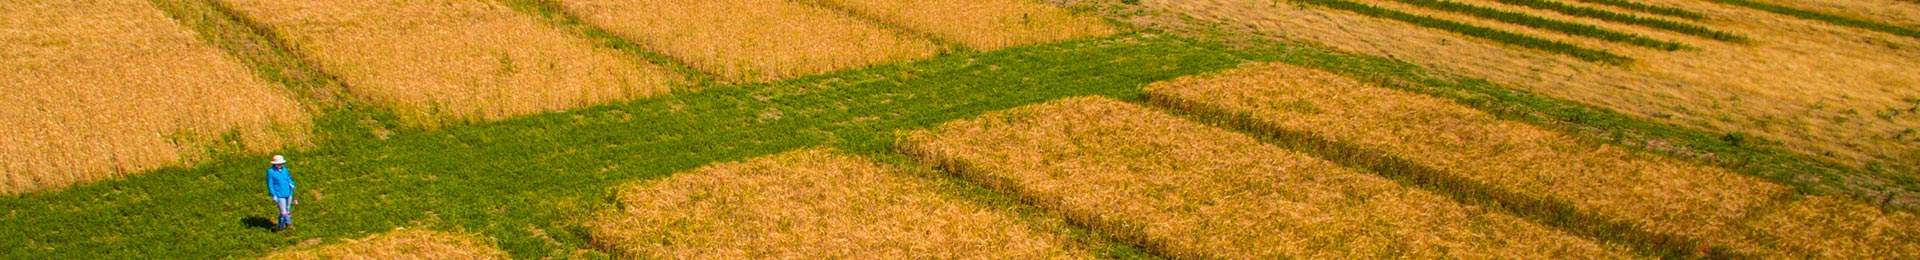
745	41
94	90
811	204
1193	191
1705	205
400	244
440	60
981	25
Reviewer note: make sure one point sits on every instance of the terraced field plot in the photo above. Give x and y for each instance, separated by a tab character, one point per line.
811	204
94	90
458	59
401	244
1647	193
1192	191
980	25
1830	91
745	41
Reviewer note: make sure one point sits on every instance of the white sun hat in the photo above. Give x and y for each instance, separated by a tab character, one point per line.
277	159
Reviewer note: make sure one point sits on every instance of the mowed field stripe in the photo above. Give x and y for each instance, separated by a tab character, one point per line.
94	90
1504	37
400	244
438	60
1712	209
812	204
1528	20
982	25
1195	192
1602	14
744	41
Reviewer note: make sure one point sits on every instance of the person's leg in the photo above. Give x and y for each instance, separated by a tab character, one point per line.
286	211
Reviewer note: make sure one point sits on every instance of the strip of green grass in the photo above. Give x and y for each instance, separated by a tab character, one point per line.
526	182
1823	17
1611	16
1510	38
1652	9
1521	19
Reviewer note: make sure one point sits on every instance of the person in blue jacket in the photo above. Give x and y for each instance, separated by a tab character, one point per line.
280	185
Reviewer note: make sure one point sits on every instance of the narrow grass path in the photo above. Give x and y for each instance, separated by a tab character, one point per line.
526	181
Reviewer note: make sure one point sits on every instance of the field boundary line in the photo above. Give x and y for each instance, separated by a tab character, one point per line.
1825	17
947	47
270	59
1646	8
554	14
1001	185
1496	35
1605	15
1528	20
1545	211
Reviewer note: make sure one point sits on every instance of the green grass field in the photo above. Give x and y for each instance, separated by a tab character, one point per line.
529	183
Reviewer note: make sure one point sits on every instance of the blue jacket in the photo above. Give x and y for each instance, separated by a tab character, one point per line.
279	183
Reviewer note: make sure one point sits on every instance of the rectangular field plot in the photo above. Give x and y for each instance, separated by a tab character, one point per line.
811	204
981	25
400	244
742	41
1198	192
455	58
1647	192
1829	90
91	90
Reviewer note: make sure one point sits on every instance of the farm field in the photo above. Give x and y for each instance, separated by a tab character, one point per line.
1838	92
95	90
400	244
1703	205
979	25
1108	129
811	204
454	60
1193	191
746	41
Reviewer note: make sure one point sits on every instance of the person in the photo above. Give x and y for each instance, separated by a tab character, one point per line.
280	185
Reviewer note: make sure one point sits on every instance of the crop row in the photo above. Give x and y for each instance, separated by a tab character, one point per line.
1581	11
1652	9
1585	30
1823	17
1477	31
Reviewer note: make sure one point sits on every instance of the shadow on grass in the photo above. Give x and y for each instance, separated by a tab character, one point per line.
257	222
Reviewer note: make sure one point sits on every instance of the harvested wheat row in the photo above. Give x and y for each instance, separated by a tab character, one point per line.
983	25
1890	12
1822	90
743	41
99	89
464	59
400	244
1655	194
1193	191
811	204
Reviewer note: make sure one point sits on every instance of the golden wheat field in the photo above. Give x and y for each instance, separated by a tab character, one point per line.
980	25
1194	191
1835	92
744	41
400	244
812	204
100	89
1654	193
459	59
